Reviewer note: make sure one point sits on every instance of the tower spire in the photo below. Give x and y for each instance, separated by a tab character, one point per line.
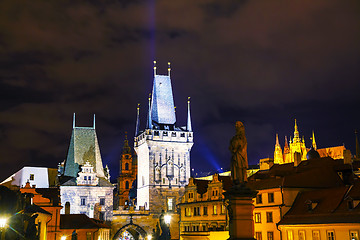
169	69
137	120
188	126
149	121
296	132
313	140
74	121
154	68
357	145
94	122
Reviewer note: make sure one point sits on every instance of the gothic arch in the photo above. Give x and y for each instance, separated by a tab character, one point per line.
135	230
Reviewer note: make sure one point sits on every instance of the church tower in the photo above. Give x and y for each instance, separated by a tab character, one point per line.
127	175
163	150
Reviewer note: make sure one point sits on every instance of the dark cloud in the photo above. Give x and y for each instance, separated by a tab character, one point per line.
261	62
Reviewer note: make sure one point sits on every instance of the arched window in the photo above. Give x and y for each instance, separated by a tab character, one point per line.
126	185
67	208
126	166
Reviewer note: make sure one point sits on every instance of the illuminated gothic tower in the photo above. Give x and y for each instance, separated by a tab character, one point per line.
297	145
128	171
163	150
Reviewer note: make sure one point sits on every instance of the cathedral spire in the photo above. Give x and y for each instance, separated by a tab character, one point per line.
188	126
74	121
357	145
313	141
137	120
149	121
278	156
296	133
277	140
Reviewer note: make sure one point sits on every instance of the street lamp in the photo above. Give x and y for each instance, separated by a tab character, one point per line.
3	222
63	238
167	219
149	237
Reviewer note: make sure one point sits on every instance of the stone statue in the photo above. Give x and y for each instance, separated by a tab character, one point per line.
238	149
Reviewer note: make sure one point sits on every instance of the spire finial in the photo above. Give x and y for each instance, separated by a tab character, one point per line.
188	126
74	121
137	120
94	122
169	68
154	68
277	140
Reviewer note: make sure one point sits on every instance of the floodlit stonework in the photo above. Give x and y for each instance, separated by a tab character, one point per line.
84	183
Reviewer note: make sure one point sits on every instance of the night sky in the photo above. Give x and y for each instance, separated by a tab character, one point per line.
261	62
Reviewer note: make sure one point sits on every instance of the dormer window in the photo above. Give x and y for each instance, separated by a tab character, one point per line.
311	205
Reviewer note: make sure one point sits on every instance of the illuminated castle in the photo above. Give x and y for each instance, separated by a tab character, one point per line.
163	150
297	145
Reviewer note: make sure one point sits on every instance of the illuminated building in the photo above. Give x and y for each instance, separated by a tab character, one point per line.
84	183
332	213
163	164
40	177
203	213
297	144
278	187
127	174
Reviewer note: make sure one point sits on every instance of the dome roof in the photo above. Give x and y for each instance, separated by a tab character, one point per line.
312	154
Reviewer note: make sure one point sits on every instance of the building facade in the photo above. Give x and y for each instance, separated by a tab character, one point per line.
203	211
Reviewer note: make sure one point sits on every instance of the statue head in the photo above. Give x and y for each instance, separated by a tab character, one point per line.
239	126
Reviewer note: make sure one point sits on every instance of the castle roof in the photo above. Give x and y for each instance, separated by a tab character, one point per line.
162	102
314	173
84	147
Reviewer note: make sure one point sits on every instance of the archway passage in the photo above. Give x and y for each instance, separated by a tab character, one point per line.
130	232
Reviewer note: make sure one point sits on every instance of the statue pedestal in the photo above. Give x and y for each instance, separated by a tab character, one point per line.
240	209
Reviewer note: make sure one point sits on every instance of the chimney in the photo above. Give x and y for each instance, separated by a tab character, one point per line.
347	156
297	159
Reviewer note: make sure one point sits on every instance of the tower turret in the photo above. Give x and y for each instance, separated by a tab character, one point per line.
137	128
188	125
